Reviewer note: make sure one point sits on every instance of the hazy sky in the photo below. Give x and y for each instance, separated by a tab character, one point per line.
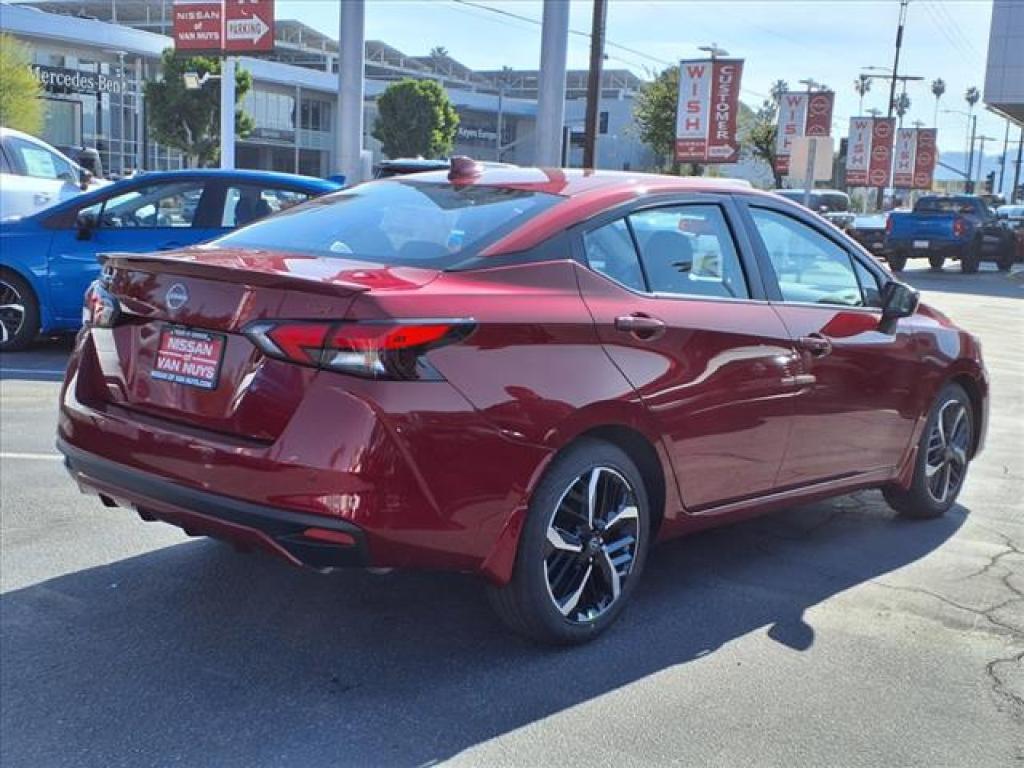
827	40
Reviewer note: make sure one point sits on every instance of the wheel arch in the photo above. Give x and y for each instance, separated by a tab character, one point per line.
976	397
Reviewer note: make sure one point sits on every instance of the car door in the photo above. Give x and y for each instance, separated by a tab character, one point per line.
856	412
39	177
135	217
683	315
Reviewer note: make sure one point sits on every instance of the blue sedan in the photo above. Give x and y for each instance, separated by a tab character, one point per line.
47	260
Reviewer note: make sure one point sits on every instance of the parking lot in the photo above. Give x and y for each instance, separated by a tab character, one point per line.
831	634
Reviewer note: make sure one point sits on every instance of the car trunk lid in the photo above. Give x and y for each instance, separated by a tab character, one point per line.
177	350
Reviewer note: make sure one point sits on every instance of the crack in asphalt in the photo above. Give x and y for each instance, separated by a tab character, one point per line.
1000	686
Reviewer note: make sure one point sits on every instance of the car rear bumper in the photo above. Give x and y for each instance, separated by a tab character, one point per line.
301	539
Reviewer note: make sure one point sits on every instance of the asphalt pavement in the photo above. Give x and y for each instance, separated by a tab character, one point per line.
832	634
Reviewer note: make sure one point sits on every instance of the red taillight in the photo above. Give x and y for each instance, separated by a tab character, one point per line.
959	227
888	225
391	350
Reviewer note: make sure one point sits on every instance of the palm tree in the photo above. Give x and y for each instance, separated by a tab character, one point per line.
938	88
862	85
972	96
901	105
779	87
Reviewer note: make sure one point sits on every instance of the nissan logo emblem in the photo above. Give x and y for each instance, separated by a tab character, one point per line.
176	296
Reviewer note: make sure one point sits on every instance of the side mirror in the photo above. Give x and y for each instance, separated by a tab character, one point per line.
84	177
85	223
898	300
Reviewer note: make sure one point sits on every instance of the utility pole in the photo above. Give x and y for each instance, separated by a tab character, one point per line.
1016	169
594	83
1002	163
970	157
895	74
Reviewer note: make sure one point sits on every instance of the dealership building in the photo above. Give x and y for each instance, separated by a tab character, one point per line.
92	58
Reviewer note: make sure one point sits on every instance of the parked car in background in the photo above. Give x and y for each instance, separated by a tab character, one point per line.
869	230
530	375
34	175
85	157
1012	216
47	260
958	227
833	204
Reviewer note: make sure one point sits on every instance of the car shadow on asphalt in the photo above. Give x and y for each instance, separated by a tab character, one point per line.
988	282
46	360
195	655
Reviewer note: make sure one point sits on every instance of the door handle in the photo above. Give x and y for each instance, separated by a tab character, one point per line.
168	246
816	344
640	325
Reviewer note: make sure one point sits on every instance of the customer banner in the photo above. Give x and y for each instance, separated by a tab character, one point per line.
914	163
706	113
801	114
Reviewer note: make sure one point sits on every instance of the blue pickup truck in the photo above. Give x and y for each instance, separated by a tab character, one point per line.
959	227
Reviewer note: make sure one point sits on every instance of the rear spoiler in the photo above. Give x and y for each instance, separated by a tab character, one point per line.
315	281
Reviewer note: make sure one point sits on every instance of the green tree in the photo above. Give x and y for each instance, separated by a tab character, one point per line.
760	133
415	118
20	105
190	120
655	114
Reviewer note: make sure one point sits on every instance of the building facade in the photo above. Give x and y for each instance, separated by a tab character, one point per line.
94	56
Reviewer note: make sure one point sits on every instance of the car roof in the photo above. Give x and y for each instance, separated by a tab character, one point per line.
587	193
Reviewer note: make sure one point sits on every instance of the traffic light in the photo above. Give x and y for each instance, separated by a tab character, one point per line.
990	183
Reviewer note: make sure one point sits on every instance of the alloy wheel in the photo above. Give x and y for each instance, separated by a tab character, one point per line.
12	312
946	458
592	542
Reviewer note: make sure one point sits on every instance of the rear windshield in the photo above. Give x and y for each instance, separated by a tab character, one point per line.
397	222
943	205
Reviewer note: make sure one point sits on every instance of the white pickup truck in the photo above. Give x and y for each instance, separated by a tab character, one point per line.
34	175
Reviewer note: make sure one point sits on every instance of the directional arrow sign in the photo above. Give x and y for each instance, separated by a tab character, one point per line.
248	26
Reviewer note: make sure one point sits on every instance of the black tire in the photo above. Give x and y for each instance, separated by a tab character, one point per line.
922	501
17	329
936	260
970	258
527	604
897	261
1007	255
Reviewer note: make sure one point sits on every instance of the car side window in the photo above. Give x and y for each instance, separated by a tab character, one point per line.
810	267
610	251
158	205
244	203
40	162
689	250
870	286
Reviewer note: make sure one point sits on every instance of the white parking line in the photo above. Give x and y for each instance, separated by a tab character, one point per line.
31	456
29	371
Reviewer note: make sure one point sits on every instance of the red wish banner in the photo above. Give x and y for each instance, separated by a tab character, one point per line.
706	115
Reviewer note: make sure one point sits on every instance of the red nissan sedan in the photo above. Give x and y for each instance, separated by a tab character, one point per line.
531	375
